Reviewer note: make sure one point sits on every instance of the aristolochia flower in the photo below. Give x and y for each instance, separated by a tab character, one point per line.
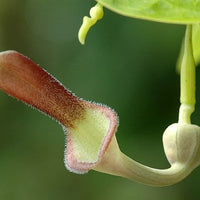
89	127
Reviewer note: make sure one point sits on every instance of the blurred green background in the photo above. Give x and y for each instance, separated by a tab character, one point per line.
126	63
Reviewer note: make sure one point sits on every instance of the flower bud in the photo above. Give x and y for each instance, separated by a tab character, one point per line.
182	144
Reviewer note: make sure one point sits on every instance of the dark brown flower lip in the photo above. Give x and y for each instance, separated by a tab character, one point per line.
26	81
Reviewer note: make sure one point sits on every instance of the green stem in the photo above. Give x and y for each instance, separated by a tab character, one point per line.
187	97
96	13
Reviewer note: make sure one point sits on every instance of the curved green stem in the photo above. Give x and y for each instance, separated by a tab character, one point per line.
96	13
187	97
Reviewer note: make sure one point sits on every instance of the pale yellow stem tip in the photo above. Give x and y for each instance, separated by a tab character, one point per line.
96	13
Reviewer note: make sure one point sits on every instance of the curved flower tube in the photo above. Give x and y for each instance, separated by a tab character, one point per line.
181	144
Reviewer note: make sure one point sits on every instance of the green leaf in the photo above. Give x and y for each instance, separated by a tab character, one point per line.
169	11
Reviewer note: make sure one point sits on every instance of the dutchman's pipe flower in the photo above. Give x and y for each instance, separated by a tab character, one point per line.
90	128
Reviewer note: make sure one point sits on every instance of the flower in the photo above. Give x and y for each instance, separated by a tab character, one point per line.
89	127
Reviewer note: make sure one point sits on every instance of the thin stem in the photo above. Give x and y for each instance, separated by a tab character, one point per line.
187	97
96	13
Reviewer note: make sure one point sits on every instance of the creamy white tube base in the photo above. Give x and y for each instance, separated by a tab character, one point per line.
116	163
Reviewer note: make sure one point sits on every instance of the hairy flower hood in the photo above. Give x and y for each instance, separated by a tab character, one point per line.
89	127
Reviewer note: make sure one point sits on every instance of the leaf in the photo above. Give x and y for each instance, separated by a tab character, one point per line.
168	11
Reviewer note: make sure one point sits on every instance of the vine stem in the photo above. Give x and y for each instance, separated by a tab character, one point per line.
96	13
187	80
